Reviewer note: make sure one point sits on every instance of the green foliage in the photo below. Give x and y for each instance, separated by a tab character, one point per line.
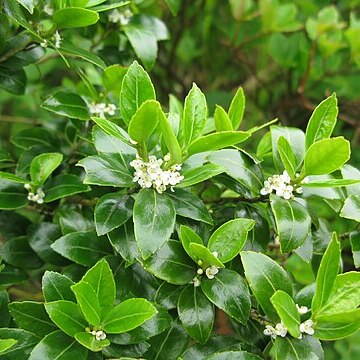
198	228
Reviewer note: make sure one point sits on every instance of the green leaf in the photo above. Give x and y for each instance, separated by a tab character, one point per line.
18	253
12	177
346	317
169	138
106	170
287	156
222	120
322	121
66	315
325	279
113	76
88	302
144	121
230	293
31	316
42	166
348	172
89	341
188	236
187	204
11	199
62	186
265	277
355	247
233	355
111	211
229	238
196	313
13	81
199	174
144	43
100	277
200	252
293	223
294	349
6	344
330	183
171	263
67	104
57	345
194	117
326	156
287	311
295	137
25	343
329	331
174	6
351	208
237	107
83	247
217	141
40	237
56	286
128	315
154	220
136	88
72	17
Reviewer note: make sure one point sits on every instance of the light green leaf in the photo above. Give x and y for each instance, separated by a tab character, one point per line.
43	165
188	236
351	208
6	344
12	177
287	156
72	17
200	252
222	120
330	183
237	107
90	342
322	121
327	155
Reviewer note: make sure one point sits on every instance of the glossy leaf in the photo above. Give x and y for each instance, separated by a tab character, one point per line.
265	277
196	313
89	341
326	330
217	141
154	220
294	349
287	311
330	183
233	355
67	104
194	117
187	204
229	238
6	344
229	292
82	247
136	88
293	223
351	208
100	277
56	286
112	210
31	316
43	165
200	252
287	156
222	120
188	236
88	302
128	315
322	121
72	17
171	263
326	156
66	315
325	279
237	107
57	345
12	177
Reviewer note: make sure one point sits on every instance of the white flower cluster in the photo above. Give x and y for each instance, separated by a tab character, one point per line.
123	18
281	330
281	184
48	9
150	174
210	271
38	197
101	109
57	41
99	335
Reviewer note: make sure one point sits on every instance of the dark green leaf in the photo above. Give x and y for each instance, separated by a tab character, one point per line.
196	313
294	349
265	276
13	81
233	355
154	220
12	177
229	292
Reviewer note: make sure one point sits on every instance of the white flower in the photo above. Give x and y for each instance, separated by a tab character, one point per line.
31	196
196	281
281	329
307	327
200	271
122	18
215	253
38	197
110	109
211	271
167	157
57	39
101	109
270	331
302	309
100	335
48	9
44	43
133	142
27	186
